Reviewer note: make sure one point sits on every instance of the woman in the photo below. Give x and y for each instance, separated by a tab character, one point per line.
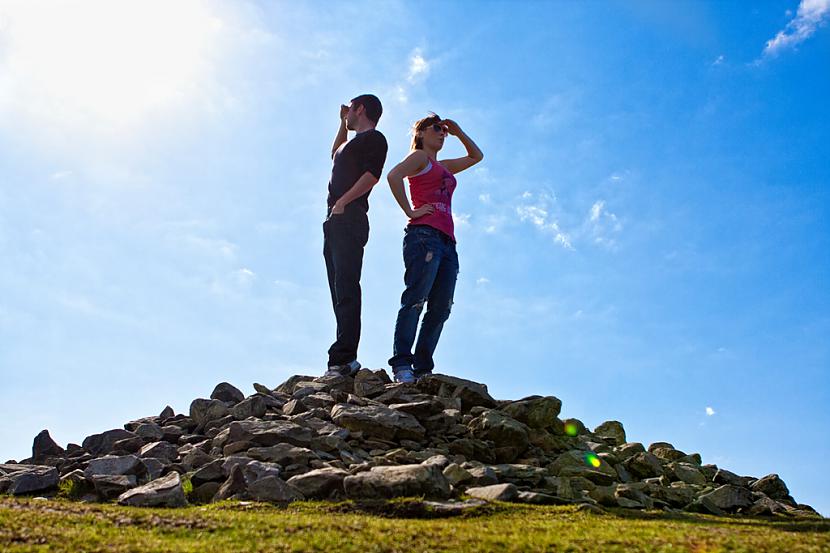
429	243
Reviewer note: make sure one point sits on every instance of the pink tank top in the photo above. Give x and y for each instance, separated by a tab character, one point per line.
434	187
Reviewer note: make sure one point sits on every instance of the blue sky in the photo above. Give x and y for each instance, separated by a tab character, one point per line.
646	239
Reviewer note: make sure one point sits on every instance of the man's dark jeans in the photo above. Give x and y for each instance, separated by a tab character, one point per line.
431	272
344	237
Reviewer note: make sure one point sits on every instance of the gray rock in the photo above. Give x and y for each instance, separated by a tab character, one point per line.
496	492
688	473
667	454
304	389
228	393
538	498
288	386
612	431
234	487
584	464
284	454
113	465
257	470
644	465
473	449
631	496
320	484
111	486
398	481
378	421
166	491
723	476
211	472
501	429
160	450
254	406
205	410
765	507
294	407
26	479
678	495
773	487
453	508
419	409
171	433
628	450
318	400
204	493
482	476
153	467
101	444
269	433
44	446
523	475
149	432
127	445
455	474
730	498
535	411
368	383
167	412
273	490
471	394
228	463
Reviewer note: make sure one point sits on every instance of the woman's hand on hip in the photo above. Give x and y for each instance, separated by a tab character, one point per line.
425	209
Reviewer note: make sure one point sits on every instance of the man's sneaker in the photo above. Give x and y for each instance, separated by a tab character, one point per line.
343	370
404	375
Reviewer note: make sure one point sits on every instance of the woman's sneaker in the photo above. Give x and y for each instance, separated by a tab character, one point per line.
349	369
404	375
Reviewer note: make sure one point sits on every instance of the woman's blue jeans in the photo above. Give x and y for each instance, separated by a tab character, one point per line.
431	272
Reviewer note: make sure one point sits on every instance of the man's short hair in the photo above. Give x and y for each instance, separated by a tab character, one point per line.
371	104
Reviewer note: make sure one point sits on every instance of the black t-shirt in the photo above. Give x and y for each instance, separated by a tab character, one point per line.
365	152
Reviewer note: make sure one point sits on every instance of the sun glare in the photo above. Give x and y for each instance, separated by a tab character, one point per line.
104	63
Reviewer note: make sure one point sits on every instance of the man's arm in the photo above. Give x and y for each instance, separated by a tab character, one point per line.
365	183
342	132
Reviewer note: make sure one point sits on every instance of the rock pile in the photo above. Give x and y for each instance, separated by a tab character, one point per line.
367	438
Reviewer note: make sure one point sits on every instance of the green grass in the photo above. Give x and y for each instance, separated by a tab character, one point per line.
59	525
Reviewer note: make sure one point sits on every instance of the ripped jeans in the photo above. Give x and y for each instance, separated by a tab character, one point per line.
431	272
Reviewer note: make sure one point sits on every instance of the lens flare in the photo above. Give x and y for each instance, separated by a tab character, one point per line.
592	460
571	429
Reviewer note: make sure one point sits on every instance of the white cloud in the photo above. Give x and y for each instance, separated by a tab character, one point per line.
401	95
709	411
596	210
58	175
537	212
555	112
810	16
484	198
482	280
245	276
533	213
461	219
418	67
719	60
602	225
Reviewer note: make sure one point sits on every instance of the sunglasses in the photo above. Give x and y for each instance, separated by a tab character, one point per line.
438	128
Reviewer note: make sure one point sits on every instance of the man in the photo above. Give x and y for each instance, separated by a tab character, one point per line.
356	168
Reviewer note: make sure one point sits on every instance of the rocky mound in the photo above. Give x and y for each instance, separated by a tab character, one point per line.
367	438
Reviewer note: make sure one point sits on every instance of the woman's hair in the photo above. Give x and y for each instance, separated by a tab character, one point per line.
421	124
